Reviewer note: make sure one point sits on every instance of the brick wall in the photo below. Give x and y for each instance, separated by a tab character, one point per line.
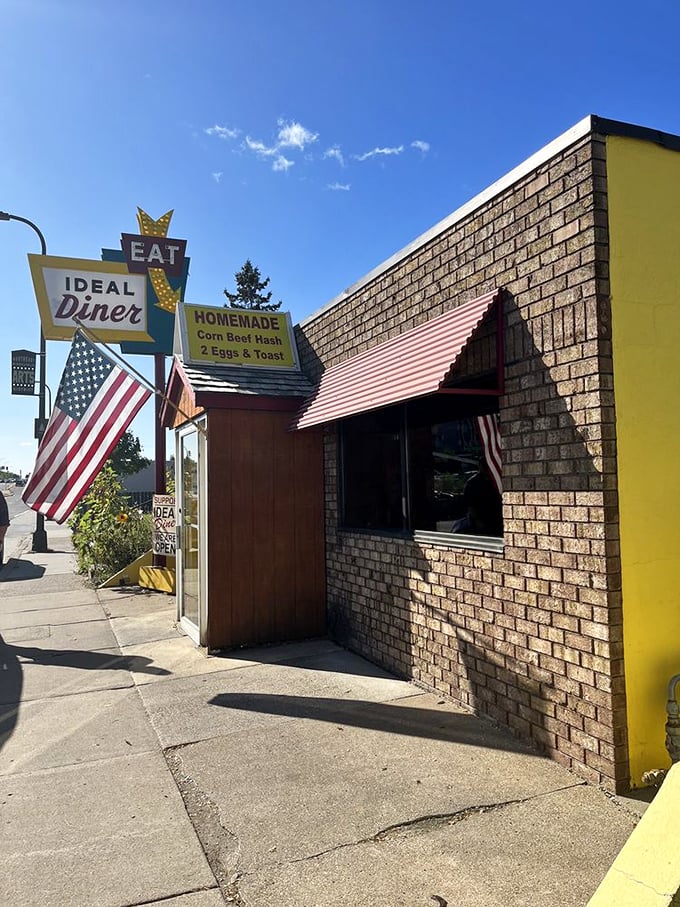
531	638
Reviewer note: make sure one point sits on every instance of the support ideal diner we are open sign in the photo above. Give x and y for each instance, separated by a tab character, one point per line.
245	337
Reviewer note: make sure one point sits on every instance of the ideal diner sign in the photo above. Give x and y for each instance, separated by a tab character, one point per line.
245	337
103	295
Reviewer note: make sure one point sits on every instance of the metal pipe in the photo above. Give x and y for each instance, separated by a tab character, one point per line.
39	536
673	720
159	560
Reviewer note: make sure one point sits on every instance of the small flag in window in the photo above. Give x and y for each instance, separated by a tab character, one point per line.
490	435
95	403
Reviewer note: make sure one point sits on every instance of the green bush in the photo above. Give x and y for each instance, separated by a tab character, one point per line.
107	533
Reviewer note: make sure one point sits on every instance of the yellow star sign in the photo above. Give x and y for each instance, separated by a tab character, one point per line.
150	227
167	297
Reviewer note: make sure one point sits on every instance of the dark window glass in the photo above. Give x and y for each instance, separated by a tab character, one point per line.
372	470
443	457
433	450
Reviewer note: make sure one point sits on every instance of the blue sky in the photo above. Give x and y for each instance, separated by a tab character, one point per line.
314	138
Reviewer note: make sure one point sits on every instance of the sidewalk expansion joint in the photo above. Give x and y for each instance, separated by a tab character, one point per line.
414	695
170	897
70	623
61	608
73	766
25	700
427	823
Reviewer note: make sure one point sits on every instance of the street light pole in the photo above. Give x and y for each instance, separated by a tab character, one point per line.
39	536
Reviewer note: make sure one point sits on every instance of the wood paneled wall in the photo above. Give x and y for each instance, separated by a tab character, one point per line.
266	572
187	409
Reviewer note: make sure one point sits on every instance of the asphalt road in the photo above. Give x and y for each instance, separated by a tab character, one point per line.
21	520
14	503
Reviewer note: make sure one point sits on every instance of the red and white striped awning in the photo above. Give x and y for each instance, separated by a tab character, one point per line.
414	364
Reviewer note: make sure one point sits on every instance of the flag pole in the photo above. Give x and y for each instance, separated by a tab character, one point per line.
159	560
91	335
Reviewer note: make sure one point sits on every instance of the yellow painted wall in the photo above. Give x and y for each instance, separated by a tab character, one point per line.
644	225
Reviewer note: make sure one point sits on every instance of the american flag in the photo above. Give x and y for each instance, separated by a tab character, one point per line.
95	403
490	435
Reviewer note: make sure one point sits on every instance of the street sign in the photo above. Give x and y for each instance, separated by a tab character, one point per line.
23	373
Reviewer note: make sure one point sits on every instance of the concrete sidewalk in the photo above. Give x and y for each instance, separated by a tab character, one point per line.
136	770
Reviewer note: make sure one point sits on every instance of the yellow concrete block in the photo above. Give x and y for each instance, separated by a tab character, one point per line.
129	576
160	579
646	872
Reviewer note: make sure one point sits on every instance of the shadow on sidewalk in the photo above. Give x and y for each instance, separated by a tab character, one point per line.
16	569
336	661
12	684
11	673
125	591
433	724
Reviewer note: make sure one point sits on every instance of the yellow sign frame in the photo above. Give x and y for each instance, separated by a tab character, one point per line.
247	338
115	270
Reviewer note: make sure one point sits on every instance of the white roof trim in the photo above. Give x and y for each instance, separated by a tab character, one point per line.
581	129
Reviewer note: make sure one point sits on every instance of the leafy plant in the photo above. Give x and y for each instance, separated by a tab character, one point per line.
126	457
107	533
170	477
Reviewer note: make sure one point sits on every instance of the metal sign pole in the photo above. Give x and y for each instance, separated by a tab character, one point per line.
39	536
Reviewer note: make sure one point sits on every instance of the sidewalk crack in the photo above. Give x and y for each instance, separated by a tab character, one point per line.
429	822
221	846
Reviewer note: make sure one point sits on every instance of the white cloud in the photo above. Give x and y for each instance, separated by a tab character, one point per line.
339	187
223	132
282	163
290	135
421	146
260	148
378	152
294	135
336	154
217	176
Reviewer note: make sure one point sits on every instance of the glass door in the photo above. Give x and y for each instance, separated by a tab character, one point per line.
189	579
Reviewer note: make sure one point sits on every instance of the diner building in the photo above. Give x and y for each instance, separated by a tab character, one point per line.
563	624
494	406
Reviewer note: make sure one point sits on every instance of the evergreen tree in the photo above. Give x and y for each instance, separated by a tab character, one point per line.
249	289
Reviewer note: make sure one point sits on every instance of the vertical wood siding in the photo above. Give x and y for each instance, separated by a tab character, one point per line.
266	530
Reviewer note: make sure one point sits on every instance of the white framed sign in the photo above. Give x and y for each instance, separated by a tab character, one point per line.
103	295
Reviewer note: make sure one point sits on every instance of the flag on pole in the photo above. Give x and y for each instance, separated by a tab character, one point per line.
490	435
95	403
